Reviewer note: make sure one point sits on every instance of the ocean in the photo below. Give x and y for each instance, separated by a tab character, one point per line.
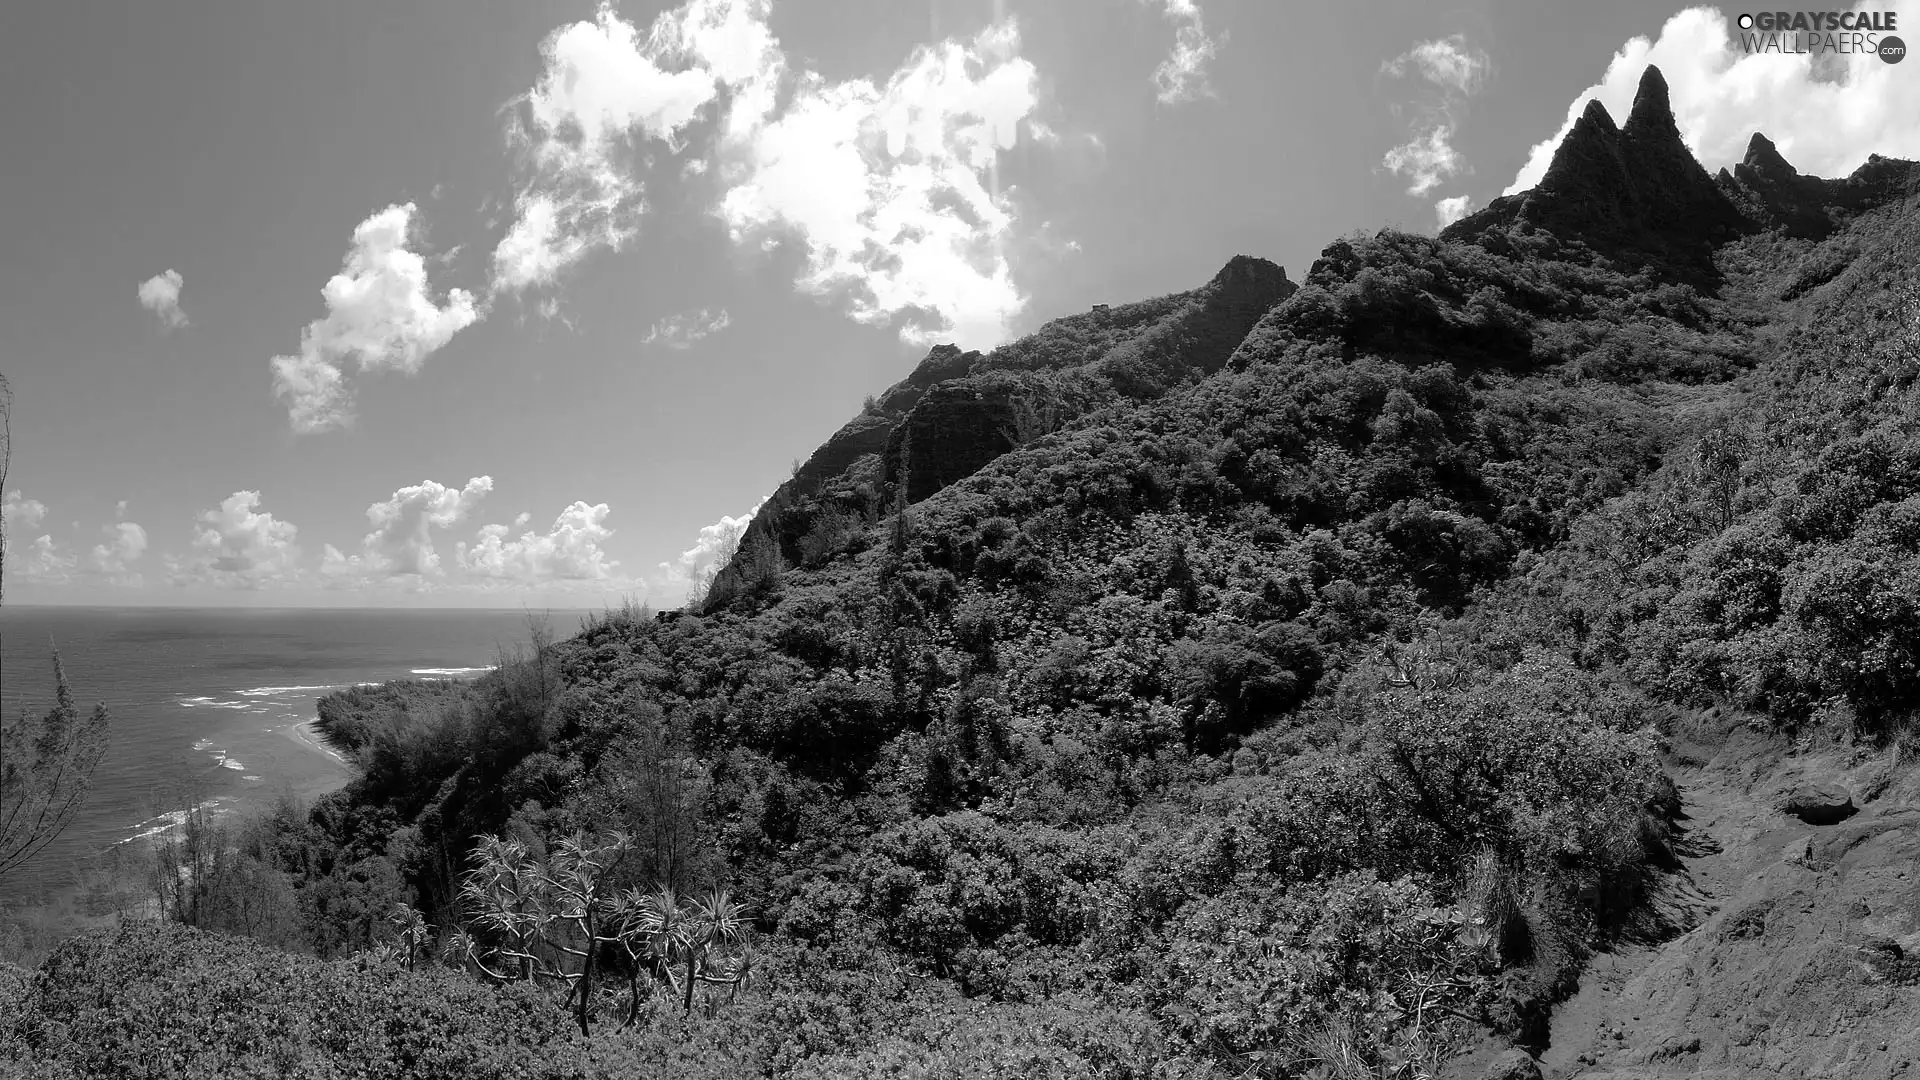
219	702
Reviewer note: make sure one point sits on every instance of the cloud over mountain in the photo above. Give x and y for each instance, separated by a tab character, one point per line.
892	189
714	546
1452	71
1826	114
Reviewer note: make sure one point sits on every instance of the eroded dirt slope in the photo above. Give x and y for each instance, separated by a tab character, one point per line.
1804	955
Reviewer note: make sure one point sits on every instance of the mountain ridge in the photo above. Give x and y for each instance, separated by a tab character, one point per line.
1494	654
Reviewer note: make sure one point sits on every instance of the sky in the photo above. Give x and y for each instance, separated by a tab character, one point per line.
489	303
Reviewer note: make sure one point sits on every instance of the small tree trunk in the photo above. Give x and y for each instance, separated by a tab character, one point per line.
586	975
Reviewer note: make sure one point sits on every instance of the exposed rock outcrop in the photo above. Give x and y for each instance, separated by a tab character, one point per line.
956	412
1634	193
1637	194
1817	803
1771	193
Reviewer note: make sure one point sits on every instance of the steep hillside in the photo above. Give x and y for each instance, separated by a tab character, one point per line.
1460	662
959	411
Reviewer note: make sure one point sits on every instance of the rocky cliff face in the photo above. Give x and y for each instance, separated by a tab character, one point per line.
960	410
1637	194
1633	193
1771	193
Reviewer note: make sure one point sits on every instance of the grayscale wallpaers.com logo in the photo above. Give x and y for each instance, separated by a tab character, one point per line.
1804	32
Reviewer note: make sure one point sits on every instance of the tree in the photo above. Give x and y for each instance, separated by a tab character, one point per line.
555	919
46	765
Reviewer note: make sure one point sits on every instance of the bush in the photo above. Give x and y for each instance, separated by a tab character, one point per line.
161	1001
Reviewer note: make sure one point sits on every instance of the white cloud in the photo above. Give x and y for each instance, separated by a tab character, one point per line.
1825	113
714	547
1448	63
1425	161
1455	71
1182	76
682	330
239	546
401	542
601	84
893	189
43	562
380	315
1452	209
126	543
38	562
570	551
160	294
21	512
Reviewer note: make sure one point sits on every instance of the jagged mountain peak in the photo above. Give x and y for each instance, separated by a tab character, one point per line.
1248	269
1765	158
1634	192
1652	111
1596	116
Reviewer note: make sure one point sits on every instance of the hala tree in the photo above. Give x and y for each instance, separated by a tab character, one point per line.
562	919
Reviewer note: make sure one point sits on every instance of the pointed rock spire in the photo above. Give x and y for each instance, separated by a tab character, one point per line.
1652	112
1765	159
1595	115
1588	154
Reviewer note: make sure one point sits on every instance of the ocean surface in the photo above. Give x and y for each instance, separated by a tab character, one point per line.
217	705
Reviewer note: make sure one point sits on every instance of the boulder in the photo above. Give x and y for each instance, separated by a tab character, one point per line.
1818	803
1513	1065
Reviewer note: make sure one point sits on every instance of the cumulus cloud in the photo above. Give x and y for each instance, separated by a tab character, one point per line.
381	315
237	545
43	562
682	330
1425	161
1182	76
1452	209
401	542
1826	113
1452	71
40	561
569	551
20	512
892	189
160	294
1448	63
710	551
126	543
602	84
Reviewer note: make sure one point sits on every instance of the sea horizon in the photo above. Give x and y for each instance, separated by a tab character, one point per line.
215	705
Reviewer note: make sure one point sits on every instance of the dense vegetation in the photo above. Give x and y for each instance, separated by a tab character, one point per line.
1297	715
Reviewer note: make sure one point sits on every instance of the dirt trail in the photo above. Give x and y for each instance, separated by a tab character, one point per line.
1804	955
